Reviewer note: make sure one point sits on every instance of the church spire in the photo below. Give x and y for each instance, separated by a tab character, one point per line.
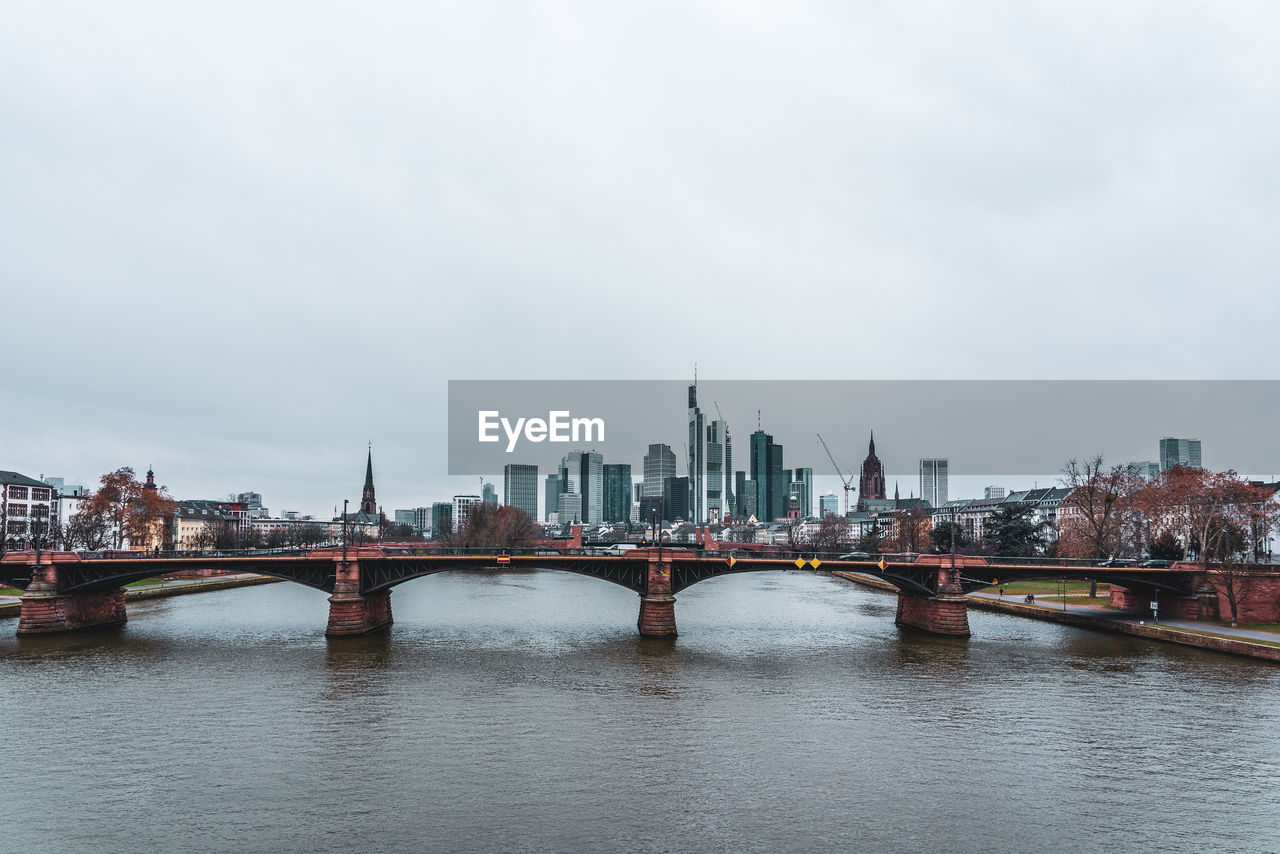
368	504
871	449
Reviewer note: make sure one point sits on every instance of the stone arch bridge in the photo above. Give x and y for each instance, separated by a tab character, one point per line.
67	591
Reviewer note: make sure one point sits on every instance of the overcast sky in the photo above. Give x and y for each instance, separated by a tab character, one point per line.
238	241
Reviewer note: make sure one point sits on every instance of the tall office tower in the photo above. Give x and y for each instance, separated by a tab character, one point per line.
520	488
659	464
805	476
1146	469
488	494
829	504
1179	452
710	464
741	509
748	500
933	480
617	492
993	492
570	484
592	487
638	488
551	496
570	508
766	470
675	499
441	519
871	480
421	519
462	506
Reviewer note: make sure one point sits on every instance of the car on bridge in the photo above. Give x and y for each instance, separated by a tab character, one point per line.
1155	563
1115	562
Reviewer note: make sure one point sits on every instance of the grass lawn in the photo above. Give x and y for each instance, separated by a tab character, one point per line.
1046	585
11	591
146	582
1102	603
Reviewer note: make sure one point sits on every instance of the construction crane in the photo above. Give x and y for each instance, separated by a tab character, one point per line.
847	481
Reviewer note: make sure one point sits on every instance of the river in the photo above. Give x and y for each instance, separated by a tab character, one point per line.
522	712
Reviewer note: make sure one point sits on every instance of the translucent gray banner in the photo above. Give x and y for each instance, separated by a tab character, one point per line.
980	426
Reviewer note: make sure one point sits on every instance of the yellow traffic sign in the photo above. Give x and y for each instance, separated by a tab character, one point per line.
799	563
882	564
815	563
731	561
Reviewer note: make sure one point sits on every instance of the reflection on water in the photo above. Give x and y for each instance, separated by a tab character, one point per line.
522	712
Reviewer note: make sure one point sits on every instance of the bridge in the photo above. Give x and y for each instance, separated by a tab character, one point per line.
69	591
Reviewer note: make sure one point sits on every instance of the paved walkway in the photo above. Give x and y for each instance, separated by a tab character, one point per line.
1130	617
161	584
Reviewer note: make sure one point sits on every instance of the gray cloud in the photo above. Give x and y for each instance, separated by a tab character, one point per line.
237	242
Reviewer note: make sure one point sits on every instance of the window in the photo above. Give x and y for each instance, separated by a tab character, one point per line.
18	492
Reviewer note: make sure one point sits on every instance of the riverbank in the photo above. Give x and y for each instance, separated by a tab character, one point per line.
1108	621
171	587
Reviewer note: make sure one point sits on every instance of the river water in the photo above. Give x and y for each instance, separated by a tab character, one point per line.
521	712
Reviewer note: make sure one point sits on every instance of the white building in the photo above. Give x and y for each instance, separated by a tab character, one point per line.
27	507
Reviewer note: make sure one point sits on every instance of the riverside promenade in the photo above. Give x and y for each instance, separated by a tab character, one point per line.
1253	643
11	606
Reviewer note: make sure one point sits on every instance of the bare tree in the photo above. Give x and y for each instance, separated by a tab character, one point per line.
495	527
1095	517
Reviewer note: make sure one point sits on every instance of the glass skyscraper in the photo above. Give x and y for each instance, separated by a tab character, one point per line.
1179	452
520	488
933	480
617	492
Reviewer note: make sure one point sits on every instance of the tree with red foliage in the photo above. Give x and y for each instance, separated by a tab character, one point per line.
131	509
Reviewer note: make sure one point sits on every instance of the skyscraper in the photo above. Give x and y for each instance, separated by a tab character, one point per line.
710	464
582	474
933	480
804	477
592	486
659	464
829	503
1179	452
617	492
488	494
551	496
766	470
520	488
441	519
871	481
675	499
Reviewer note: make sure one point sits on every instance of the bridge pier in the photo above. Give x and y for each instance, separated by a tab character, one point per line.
657	604
945	613
45	611
351	612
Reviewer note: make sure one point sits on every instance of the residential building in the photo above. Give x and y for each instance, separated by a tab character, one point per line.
27	507
520	488
933	480
462	507
1179	452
